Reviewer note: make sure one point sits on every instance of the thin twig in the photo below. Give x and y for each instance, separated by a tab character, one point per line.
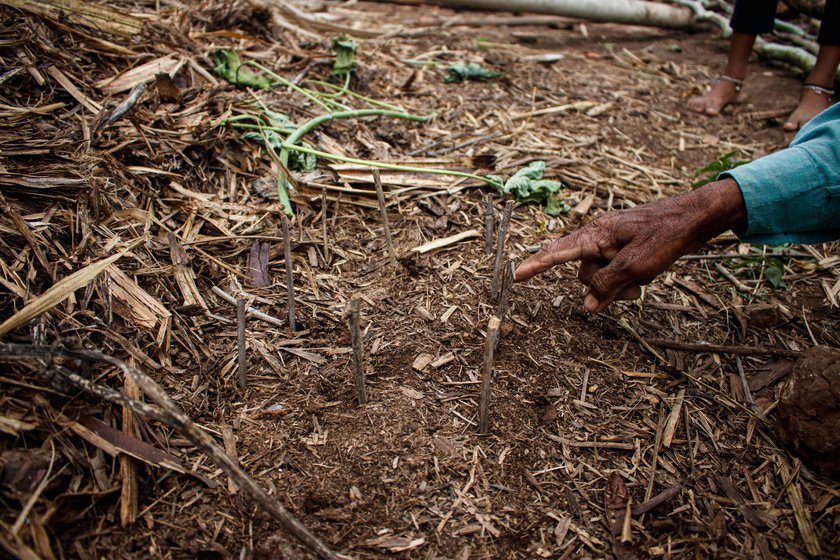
290	279
250	310
745	386
240	339
380	195
30	503
324	225
487	375
489	222
656	501
500	249
721	349
358	358
507	285
740	286
716	256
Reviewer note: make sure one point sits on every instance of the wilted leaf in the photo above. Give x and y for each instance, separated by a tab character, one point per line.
527	185
345	54
229	67
774	271
462	71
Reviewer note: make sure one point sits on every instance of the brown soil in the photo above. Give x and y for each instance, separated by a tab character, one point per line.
406	475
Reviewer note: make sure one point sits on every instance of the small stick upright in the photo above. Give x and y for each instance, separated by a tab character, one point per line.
489	222
356	342
240	339
290	281
507	284
392	255
324	226
487	375
500	249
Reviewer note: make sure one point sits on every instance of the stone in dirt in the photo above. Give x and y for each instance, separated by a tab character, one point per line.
808	415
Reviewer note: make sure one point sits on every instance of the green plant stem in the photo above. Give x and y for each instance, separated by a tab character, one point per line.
283	81
392	166
358	96
341	90
308	126
302	130
416	62
247	126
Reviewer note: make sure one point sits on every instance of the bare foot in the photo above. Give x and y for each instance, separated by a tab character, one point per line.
722	94
811	104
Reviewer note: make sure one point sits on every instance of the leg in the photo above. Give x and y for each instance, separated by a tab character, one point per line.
724	92
750	18
812	102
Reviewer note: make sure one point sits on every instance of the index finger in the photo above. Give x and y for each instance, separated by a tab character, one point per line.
557	252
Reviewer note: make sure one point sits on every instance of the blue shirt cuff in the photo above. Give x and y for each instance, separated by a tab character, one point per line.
793	196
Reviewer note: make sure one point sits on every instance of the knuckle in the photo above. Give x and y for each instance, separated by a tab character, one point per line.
602	283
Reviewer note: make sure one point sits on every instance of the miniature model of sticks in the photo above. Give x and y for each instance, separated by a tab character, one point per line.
356	342
487	375
500	249
240	338
380	195
290	281
489	222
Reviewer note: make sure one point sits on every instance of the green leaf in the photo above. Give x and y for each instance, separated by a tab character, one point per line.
345	54
300	161
773	272
461	71
229	67
711	170
279	120
528	185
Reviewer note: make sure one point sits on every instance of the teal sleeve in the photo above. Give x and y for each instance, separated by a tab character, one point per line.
793	196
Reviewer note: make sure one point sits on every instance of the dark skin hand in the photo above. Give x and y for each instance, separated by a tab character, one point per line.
621	251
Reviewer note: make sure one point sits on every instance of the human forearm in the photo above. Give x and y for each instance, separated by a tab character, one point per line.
715	208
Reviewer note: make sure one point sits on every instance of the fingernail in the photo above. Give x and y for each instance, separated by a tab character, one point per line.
590	303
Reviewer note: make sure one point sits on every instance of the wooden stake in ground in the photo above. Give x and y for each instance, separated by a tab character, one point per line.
128	465
489	222
507	284
229	441
240	339
392	255
358	357
487	375
324	225
290	281
500	249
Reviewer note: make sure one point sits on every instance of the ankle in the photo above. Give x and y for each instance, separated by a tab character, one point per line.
737	84
818	89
